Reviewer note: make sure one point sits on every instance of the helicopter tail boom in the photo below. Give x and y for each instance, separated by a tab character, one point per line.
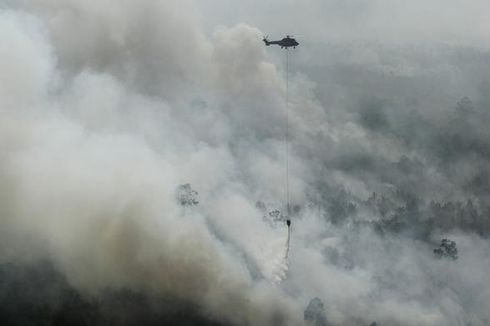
266	41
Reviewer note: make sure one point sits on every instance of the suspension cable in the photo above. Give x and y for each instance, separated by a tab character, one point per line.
287	132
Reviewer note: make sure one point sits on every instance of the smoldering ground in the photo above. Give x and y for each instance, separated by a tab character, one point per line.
106	108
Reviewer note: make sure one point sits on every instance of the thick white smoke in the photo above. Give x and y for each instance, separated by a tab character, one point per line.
107	107
99	127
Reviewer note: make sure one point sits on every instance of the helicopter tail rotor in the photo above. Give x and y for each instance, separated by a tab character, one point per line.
266	41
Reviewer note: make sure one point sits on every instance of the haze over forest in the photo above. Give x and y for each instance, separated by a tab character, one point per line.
142	163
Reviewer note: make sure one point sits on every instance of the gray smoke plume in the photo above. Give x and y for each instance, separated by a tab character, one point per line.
106	107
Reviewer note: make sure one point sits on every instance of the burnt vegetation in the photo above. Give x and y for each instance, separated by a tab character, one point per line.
37	294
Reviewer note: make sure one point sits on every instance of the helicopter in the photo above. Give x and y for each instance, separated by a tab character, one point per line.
285	43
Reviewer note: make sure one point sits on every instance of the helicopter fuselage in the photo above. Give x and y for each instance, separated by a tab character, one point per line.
285	43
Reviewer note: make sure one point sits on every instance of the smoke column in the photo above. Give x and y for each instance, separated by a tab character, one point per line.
107	107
